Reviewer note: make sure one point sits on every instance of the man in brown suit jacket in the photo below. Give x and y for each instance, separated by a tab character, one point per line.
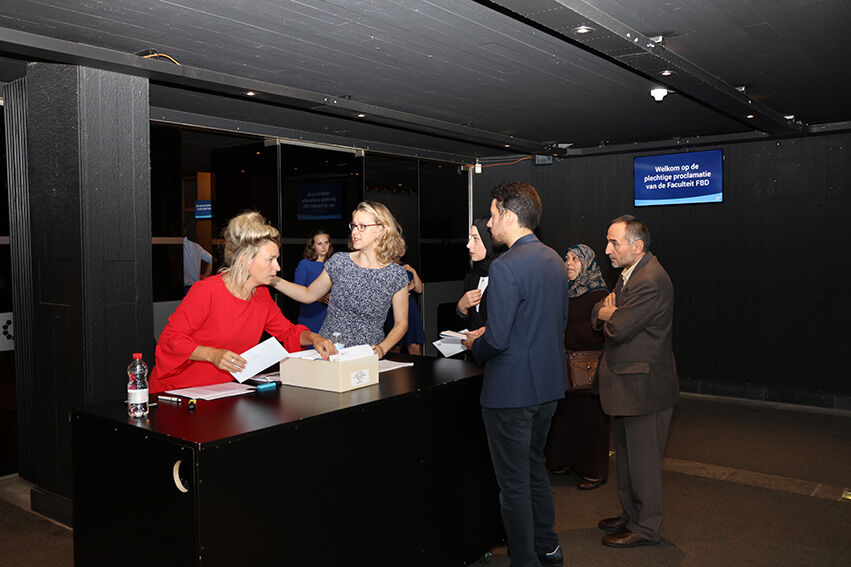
637	379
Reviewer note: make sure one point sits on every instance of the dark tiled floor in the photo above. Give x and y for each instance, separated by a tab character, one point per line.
745	484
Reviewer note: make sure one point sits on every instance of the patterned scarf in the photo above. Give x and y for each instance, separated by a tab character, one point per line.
590	278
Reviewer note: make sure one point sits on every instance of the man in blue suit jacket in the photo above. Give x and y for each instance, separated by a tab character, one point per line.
525	370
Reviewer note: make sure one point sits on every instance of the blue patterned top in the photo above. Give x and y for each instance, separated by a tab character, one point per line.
360	299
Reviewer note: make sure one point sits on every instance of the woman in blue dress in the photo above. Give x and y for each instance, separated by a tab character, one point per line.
317	250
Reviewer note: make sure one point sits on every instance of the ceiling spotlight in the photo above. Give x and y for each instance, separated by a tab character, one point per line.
583	30
658	94
361	115
667	73
749	116
249	93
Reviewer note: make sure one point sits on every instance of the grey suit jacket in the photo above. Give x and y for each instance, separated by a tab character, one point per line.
637	374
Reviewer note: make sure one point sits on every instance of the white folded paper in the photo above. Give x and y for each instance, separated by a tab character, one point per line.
351	353
483	285
387	365
456	336
260	357
450	342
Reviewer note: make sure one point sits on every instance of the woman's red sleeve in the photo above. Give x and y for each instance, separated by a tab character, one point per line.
175	344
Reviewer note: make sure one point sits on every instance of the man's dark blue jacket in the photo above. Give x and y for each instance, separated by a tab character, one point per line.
523	344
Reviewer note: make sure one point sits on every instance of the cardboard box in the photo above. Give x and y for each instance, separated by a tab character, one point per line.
331	376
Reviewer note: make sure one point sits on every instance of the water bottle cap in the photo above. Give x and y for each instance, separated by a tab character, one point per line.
137	355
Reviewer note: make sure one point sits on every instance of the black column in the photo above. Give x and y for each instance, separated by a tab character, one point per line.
89	204
14	107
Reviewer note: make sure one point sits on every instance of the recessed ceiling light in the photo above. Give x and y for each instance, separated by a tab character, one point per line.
667	73
507	145
361	115
750	116
658	93
249	93
583	30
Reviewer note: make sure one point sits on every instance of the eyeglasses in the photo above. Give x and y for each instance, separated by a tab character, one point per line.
361	227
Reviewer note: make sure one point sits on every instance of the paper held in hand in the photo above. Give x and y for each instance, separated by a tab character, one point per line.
483	285
450	342
261	357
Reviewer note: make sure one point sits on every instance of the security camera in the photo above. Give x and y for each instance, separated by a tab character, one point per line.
658	94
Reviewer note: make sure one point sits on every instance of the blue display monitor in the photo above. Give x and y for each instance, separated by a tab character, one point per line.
673	179
320	201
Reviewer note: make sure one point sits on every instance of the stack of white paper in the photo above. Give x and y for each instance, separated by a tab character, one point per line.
347	353
214	392
450	342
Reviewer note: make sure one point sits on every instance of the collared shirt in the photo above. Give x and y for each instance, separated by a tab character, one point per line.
628	271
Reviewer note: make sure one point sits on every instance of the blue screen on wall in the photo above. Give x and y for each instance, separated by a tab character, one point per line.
672	179
320	201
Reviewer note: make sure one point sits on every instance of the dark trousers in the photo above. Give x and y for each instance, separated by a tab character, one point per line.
640	445
516	438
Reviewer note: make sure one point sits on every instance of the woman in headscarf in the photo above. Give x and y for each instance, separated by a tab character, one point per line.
579	434
472	308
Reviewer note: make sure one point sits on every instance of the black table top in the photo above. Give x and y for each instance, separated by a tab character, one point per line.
220	420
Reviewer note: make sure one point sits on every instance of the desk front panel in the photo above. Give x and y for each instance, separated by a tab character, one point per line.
398	471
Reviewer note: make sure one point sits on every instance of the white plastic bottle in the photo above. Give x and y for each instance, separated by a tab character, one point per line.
335	338
137	387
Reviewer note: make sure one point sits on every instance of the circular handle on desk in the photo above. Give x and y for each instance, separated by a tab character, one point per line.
178	482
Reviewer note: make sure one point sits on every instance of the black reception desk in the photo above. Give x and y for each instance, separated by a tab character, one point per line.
392	474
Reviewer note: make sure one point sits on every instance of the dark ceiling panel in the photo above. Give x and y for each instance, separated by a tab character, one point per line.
215	111
465	63
793	55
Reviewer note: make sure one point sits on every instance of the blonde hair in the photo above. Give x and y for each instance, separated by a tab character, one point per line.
243	236
310	249
390	246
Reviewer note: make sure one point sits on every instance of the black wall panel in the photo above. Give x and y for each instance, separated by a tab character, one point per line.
14	109
760	306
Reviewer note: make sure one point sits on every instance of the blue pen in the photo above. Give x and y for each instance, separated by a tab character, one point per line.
266	386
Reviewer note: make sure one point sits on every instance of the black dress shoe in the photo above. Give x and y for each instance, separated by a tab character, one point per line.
612	524
555	557
626	538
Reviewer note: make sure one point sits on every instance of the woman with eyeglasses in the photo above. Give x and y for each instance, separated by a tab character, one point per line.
364	283
317	250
